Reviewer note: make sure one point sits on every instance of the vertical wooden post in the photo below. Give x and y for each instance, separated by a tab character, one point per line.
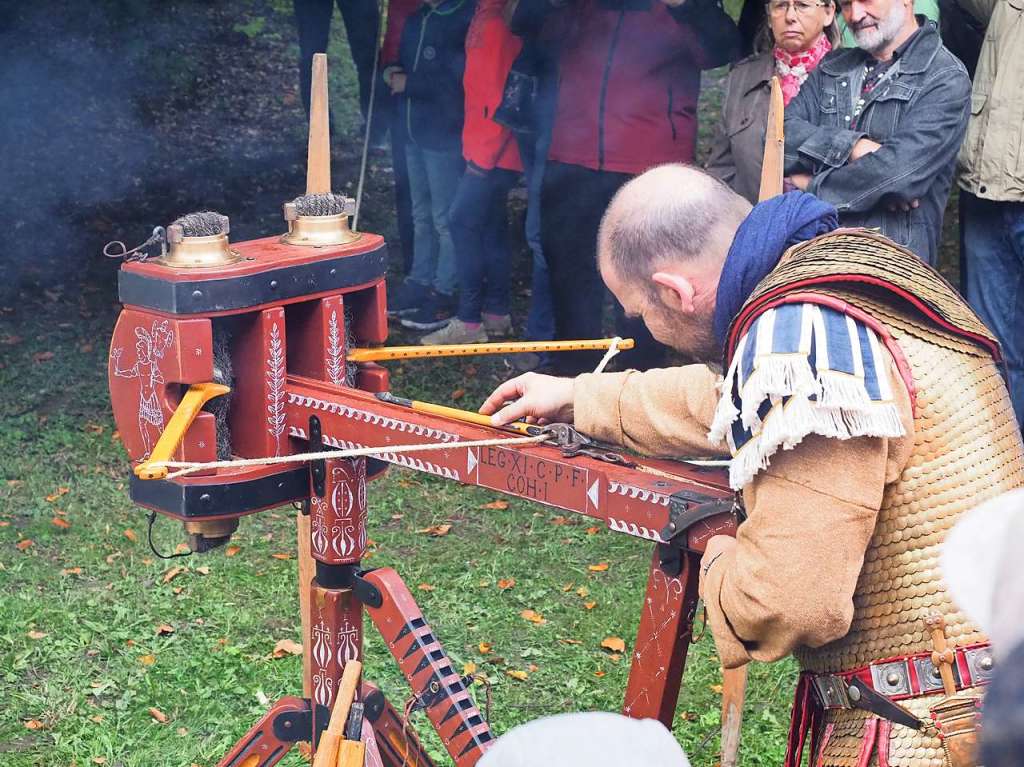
318	159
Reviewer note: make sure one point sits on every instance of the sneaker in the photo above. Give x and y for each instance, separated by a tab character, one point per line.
456	332
498	325
435	313
407	298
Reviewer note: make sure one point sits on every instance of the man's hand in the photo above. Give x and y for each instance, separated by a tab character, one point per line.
864	147
905	205
397	82
537	398
801	181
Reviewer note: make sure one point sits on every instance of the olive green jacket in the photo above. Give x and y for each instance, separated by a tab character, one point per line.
991	163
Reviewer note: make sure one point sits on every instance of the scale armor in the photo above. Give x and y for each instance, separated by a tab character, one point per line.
967	448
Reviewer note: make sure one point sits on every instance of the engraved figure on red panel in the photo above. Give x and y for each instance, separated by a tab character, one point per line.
150	347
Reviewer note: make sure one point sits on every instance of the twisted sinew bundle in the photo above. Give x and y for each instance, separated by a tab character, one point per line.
328	204
202	224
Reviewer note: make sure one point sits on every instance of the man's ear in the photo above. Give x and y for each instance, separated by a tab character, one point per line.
678	291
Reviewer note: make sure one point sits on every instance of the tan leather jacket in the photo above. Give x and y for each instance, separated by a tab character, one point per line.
991	163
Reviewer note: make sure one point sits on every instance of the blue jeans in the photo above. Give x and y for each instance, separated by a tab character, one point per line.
433	178
993	242
479	227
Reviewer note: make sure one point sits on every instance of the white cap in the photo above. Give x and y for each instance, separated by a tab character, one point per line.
982	562
591	739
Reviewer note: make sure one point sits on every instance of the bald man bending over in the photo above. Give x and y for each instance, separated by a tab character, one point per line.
830	342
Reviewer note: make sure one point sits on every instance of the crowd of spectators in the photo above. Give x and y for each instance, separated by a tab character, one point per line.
881	119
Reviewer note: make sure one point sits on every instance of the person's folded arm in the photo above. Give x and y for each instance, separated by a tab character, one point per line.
811	146
903	169
660	412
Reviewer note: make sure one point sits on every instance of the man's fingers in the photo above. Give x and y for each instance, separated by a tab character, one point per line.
513	412
510	390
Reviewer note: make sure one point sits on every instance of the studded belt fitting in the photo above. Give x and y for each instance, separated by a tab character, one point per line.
909	676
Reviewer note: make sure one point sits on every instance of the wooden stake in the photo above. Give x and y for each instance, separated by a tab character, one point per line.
734	680
306	570
318	159
327	750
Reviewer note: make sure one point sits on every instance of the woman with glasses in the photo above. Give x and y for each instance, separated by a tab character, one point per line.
796	36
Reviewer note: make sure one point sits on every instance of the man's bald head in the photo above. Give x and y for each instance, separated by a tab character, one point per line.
670	214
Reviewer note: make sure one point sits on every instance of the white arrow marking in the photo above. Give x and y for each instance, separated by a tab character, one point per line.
592	493
471	460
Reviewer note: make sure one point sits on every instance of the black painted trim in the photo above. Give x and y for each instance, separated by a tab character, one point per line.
246	291
188	501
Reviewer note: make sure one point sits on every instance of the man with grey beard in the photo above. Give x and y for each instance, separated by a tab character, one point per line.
875	130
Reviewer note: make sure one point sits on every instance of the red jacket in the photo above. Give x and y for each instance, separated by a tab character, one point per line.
628	87
398	12
490	50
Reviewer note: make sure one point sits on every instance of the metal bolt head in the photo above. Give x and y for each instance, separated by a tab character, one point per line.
854	693
893	679
986	663
936	674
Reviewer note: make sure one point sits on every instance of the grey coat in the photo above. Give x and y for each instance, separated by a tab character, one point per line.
738	145
918	115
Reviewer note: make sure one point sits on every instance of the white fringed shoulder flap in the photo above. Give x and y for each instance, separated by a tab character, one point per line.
802	369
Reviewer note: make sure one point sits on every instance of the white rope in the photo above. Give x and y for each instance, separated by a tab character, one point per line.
613	349
188	467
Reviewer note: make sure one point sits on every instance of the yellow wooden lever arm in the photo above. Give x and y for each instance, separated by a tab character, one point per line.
186	412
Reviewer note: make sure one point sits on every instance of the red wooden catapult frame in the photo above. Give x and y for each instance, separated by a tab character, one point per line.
287	311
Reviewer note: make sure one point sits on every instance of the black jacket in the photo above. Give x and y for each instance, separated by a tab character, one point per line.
433	54
919	116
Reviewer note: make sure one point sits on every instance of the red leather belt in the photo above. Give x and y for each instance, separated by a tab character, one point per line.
906	676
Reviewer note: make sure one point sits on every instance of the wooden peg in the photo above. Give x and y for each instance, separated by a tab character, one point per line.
774	146
318	158
327	750
942	656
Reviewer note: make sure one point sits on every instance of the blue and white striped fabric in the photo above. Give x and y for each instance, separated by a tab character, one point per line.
802	369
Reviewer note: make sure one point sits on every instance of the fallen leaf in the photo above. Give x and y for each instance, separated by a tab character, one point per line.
484	648
173	573
98	718
24	544
593	530
533	667
61	523
111	557
582	591
615	644
570	641
4	523
57	494
533	617
468	668
688	716
499	504
522	676
615	657
559	521
42	356
436	530
306	750
35	724
99	760
599	674
598	568
181	548
590	605
164	629
147	660
71	571
95	428
568	586
36	634
182	731
282	555
130	535
158	715
426	587
287	647
458	394
230	551
506	583
203	570
715	688
178	589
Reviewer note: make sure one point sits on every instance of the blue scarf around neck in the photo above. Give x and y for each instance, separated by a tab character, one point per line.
772	227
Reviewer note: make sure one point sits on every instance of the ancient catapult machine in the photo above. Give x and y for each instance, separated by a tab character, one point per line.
283	322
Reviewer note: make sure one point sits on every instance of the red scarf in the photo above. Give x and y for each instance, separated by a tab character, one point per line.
793	68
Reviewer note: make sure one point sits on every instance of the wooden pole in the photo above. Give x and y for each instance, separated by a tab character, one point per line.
734	680
327	750
306	570
318	159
